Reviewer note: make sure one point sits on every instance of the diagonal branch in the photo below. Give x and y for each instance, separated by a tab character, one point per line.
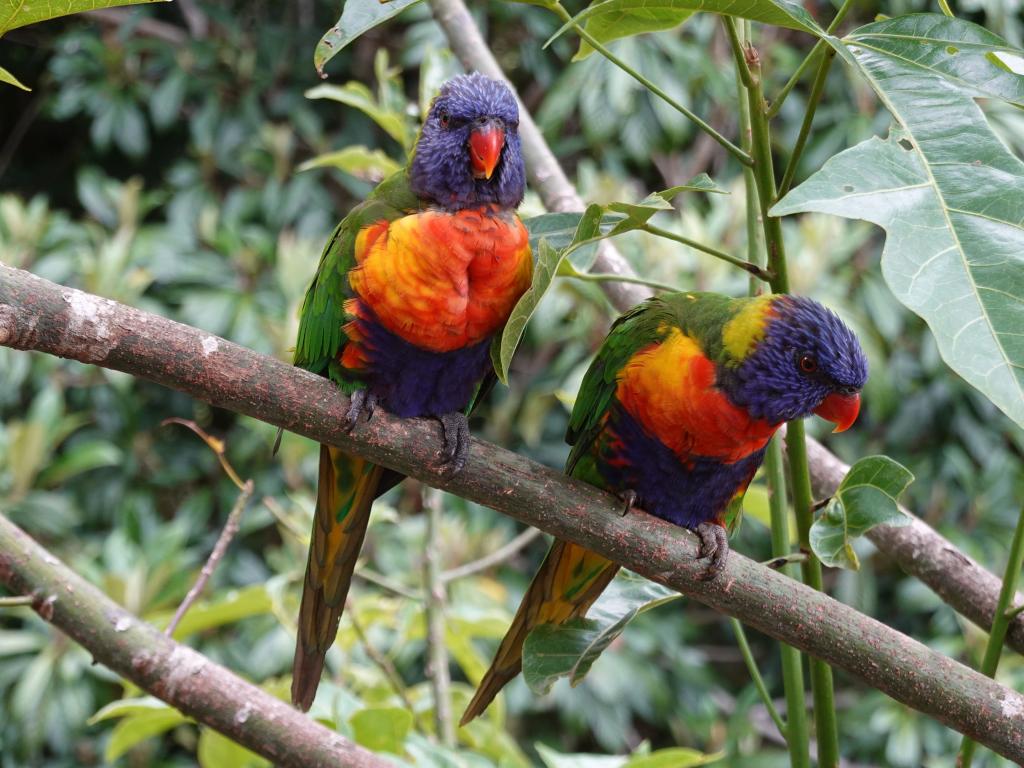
39	315
183	678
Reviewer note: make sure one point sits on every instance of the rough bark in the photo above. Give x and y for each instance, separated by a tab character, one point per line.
39	315
175	673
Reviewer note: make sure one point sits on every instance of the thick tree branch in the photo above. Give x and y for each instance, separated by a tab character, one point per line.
916	548
173	672
39	315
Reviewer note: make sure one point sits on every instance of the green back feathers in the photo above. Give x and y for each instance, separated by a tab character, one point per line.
322	317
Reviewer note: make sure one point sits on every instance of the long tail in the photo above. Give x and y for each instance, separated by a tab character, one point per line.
567	584
345	492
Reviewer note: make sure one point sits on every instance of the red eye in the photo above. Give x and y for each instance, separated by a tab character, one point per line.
808	364
444	118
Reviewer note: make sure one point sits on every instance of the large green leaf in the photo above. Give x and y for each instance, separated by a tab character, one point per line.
357	95
867	497
569	650
944	187
357	16
610	20
18	13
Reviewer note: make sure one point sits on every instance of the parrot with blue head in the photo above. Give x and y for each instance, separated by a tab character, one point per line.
411	288
673	416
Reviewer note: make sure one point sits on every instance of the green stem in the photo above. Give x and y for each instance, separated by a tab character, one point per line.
608	277
806	63
797	738
16	601
753	269
1000	623
944	5
764	174
805	128
594	43
755	674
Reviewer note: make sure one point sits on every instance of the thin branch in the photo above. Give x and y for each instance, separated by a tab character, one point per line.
16	601
496	557
382	662
810	59
817	89
755	675
370	575
747	266
227	534
598	277
593	42
185	679
434	588
39	315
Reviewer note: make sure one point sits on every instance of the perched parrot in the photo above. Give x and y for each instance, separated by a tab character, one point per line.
411	288
673	416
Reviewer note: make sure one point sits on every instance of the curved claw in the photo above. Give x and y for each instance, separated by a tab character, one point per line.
629	498
714	546
362	401
456	442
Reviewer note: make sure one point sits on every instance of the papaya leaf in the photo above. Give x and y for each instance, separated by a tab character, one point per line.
867	497
569	650
947	191
357	16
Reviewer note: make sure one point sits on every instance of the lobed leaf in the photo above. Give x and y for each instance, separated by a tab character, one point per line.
947	191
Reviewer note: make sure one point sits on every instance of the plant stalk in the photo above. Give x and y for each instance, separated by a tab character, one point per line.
755	674
743	264
594	43
436	596
800	483
806	63
1001	622
817	89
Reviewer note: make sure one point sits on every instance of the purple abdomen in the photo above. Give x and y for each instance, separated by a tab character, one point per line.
685	494
411	381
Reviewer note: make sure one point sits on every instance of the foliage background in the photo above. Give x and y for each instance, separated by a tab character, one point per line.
164	173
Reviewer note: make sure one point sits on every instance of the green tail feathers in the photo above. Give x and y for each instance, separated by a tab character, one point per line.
345	492
567	584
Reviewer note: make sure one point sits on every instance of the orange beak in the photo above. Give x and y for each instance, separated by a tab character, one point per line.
485	145
841	410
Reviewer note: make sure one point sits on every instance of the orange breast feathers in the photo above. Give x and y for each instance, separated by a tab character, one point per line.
443	281
670	389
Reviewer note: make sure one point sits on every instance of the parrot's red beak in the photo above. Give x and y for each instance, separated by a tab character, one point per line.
840	409
485	145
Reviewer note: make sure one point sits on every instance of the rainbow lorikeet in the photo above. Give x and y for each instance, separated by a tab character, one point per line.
411	288
674	415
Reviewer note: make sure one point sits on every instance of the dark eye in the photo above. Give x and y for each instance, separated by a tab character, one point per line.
444	118
808	364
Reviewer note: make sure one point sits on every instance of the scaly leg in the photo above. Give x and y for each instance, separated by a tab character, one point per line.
456	442
362	401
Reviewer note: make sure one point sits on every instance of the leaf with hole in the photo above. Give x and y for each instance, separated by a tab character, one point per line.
357	17
947	191
867	497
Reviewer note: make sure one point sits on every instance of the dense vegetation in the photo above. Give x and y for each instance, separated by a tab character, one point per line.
159	163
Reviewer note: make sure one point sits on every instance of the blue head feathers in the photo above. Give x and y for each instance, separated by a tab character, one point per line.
808	362
468	153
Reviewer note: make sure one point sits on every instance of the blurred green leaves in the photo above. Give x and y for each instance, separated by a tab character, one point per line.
944	187
866	497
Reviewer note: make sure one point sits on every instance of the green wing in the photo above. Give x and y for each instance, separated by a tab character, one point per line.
321	337
639	327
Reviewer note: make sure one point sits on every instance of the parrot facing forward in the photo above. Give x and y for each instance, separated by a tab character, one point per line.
674	415
411	288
